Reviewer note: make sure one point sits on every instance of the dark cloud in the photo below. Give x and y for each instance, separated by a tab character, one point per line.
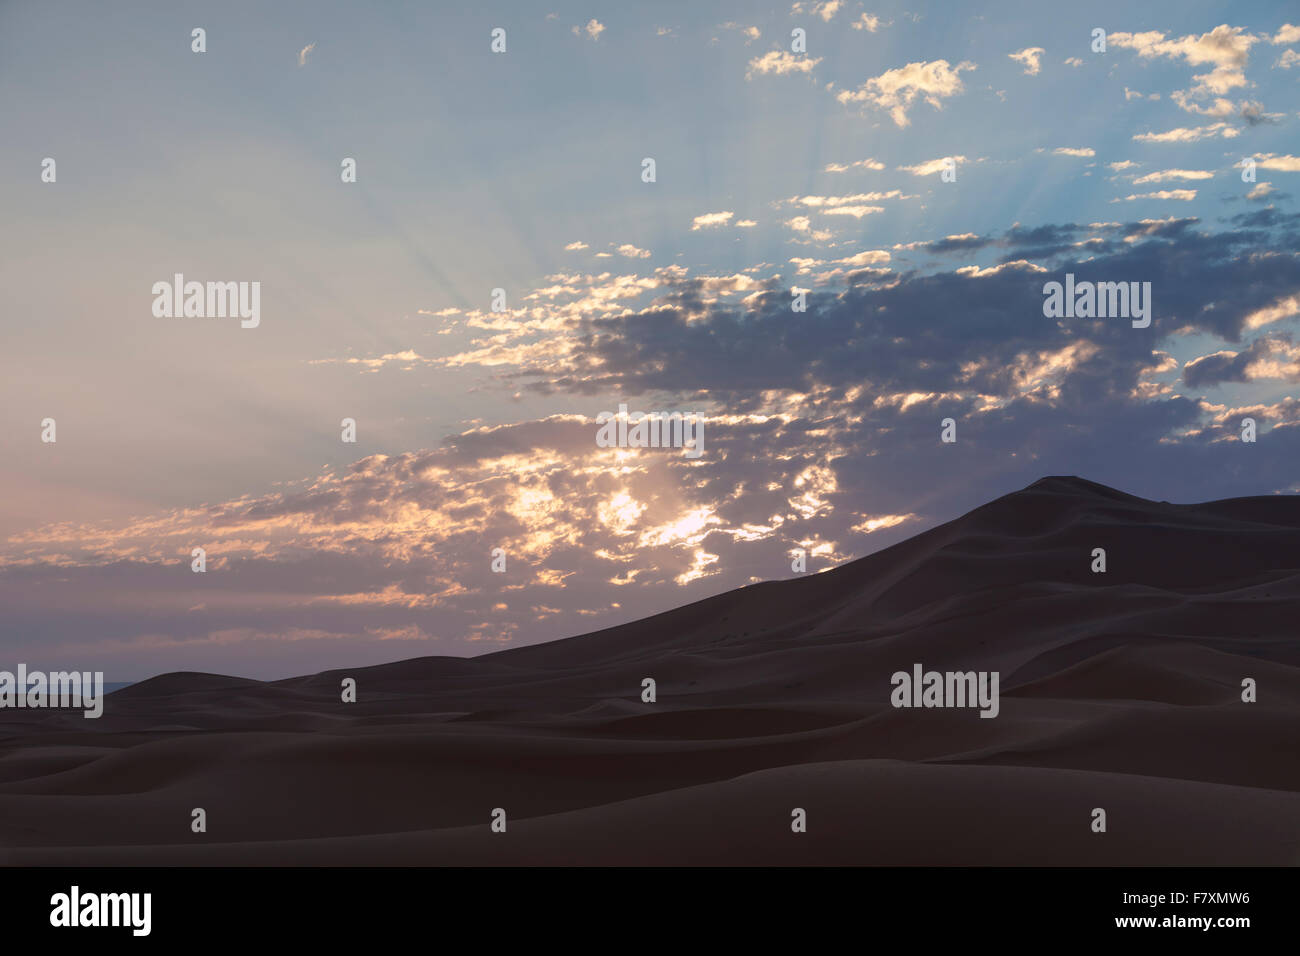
958	244
968	330
1230	366
1047	235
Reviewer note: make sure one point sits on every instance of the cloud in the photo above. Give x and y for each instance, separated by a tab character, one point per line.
820	202
1261	191
962	242
1183	195
1288	59
857	212
629	251
868	257
1290	33
405	359
802	224
1073	61
575	246
1030	58
840	268
710	219
749	33
856	164
826	9
780	63
1249	111
1225	49
868	22
1165	175
840	405
1085	151
302	54
1281	163
1267	358
932	166
1189	135
856	205
972	314
896	90
1283	308
593	29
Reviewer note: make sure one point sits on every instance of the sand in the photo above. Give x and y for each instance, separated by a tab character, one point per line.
1119	691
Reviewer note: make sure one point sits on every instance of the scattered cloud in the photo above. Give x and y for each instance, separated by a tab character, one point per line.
1267	358
1164	175
710	219
932	166
896	90
1280	163
821	202
1283	308
750	33
873	164
1189	134
802	224
780	63
857	212
1137	95
1224	49
1030	58
826	9
1182	195
593	29
1290	33
868	22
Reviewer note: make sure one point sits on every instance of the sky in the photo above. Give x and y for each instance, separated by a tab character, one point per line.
780	168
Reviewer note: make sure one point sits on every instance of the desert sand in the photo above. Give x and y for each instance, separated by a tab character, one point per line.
1120	691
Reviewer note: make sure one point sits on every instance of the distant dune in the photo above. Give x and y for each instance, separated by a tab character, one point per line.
1120	690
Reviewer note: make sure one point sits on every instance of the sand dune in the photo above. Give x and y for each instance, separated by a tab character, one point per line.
1119	690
